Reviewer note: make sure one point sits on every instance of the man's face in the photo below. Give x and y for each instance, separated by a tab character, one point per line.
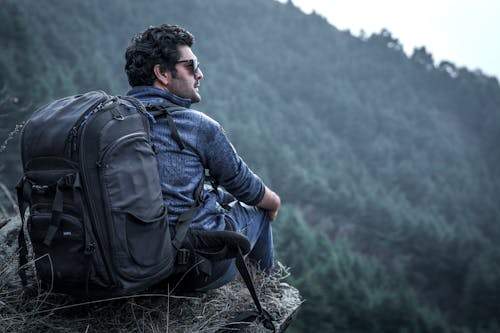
186	82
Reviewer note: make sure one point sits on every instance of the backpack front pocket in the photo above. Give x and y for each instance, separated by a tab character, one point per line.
140	236
141	247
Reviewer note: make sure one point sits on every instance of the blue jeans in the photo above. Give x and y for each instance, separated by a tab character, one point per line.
252	222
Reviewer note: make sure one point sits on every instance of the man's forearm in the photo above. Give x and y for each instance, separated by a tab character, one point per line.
270	202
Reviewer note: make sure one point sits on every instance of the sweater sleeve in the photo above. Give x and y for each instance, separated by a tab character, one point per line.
225	165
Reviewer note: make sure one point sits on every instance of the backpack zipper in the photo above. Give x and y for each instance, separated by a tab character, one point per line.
73	134
115	143
94	219
141	111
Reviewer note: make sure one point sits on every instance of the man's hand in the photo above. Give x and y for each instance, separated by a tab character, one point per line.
270	202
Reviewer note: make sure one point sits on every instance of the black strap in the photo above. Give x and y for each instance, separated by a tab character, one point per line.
57	206
173	128
57	209
89	245
167	109
186	218
157	110
221	254
138	105
87	224
244	318
211	179
264	316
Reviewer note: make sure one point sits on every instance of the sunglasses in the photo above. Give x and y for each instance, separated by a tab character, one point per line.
193	63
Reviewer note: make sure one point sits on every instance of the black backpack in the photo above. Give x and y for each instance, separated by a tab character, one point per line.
98	224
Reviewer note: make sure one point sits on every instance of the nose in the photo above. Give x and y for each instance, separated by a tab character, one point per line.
199	74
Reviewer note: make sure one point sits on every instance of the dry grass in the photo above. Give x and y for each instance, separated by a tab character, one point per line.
34	310
40	311
8	206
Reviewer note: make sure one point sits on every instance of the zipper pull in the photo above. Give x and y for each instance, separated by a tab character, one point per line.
89	249
73	135
116	114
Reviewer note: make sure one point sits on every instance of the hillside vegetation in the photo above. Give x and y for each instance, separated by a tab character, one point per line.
387	164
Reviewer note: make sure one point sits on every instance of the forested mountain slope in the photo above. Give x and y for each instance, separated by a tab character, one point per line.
388	164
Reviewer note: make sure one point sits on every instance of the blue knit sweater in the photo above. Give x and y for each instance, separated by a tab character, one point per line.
206	147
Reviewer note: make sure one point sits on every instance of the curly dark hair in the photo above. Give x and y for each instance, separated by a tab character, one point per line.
155	45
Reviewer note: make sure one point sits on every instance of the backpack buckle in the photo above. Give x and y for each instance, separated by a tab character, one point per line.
183	257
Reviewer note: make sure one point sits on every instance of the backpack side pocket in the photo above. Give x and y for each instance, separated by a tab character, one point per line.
63	262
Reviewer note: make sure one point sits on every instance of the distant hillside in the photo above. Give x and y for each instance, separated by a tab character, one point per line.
388	164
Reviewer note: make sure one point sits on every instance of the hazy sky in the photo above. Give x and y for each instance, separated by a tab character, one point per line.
465	32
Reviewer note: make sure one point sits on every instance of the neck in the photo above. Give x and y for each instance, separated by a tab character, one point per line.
159	85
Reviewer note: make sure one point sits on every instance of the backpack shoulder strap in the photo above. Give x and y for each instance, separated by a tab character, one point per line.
186	218
159	110
167	109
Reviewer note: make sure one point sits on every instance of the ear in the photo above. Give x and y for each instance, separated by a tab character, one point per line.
162	77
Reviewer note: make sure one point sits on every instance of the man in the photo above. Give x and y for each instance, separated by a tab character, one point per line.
162	69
